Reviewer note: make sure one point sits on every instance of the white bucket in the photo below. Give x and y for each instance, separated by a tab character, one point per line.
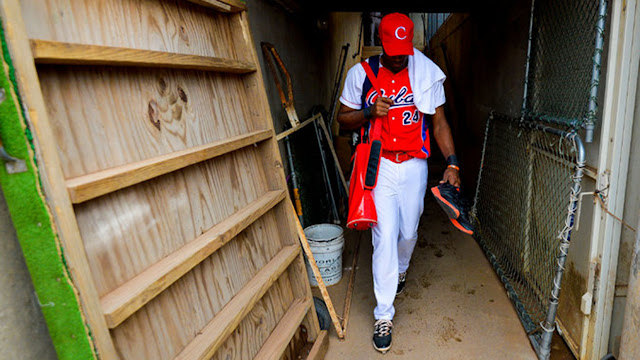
326	242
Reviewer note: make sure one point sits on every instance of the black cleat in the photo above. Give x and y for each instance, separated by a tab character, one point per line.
402	280
463	224
449	198
382	335
454	205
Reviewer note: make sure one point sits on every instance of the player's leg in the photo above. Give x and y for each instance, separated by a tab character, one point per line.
385	240
411	204
385	254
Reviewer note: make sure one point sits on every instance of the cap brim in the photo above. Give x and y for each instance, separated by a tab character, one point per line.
397	50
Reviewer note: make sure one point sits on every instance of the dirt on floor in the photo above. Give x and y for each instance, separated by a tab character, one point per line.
454	305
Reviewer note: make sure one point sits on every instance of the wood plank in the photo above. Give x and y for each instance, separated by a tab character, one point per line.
209	339
352	279
368	51
256	327
168	26
320	347
288	132
214	4
280	337
316	273
52	179
222	5
236	5
91	186
119	304
53	52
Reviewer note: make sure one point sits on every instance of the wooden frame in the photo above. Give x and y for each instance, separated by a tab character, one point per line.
252	205
613	165
52	52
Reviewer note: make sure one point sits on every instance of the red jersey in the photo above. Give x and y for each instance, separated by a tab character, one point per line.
405	128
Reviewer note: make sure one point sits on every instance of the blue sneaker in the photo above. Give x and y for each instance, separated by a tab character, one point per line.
382	335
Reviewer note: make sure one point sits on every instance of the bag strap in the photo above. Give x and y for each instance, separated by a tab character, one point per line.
374	63
372	77
377	123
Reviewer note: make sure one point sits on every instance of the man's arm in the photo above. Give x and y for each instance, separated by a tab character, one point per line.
442	134
352	119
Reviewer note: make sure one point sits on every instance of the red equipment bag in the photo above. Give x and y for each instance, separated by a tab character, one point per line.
364	174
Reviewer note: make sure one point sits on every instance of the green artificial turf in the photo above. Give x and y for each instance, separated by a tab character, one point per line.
33	223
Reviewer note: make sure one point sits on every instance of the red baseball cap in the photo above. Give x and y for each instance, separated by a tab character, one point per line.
396	34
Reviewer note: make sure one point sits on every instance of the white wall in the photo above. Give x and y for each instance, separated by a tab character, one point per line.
631	213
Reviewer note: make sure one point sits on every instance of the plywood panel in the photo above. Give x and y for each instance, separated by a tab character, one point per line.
173	318
246	341
129	115
129	230
162	25
119	304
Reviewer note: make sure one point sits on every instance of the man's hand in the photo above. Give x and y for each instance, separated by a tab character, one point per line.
451	176
381	107
352	119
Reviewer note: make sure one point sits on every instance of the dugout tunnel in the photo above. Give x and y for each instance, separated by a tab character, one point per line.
541	100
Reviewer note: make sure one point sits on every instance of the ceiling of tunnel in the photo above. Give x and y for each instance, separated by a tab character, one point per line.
423	6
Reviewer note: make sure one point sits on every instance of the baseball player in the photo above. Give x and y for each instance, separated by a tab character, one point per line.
411	87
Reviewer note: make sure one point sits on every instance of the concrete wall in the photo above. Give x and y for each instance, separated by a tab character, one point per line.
300	44
300	40
483	55
23	332
344	27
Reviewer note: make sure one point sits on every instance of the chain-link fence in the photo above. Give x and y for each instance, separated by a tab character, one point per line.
564	67
523	212
531	173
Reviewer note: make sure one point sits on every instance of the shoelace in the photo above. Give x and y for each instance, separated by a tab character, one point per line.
402	277
383	327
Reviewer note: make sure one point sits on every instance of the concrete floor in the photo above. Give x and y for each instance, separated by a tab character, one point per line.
454	305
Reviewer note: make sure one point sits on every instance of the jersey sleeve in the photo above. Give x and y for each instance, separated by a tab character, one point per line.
352	91
437	94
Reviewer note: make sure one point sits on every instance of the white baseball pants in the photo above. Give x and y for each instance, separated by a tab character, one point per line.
399	198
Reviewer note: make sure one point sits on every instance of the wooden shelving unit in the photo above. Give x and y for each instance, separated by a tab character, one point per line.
157	155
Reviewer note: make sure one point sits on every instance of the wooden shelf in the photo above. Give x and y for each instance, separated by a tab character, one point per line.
280	337
222	5
122	302
52	52
209	339
288	132
96	184
368	51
